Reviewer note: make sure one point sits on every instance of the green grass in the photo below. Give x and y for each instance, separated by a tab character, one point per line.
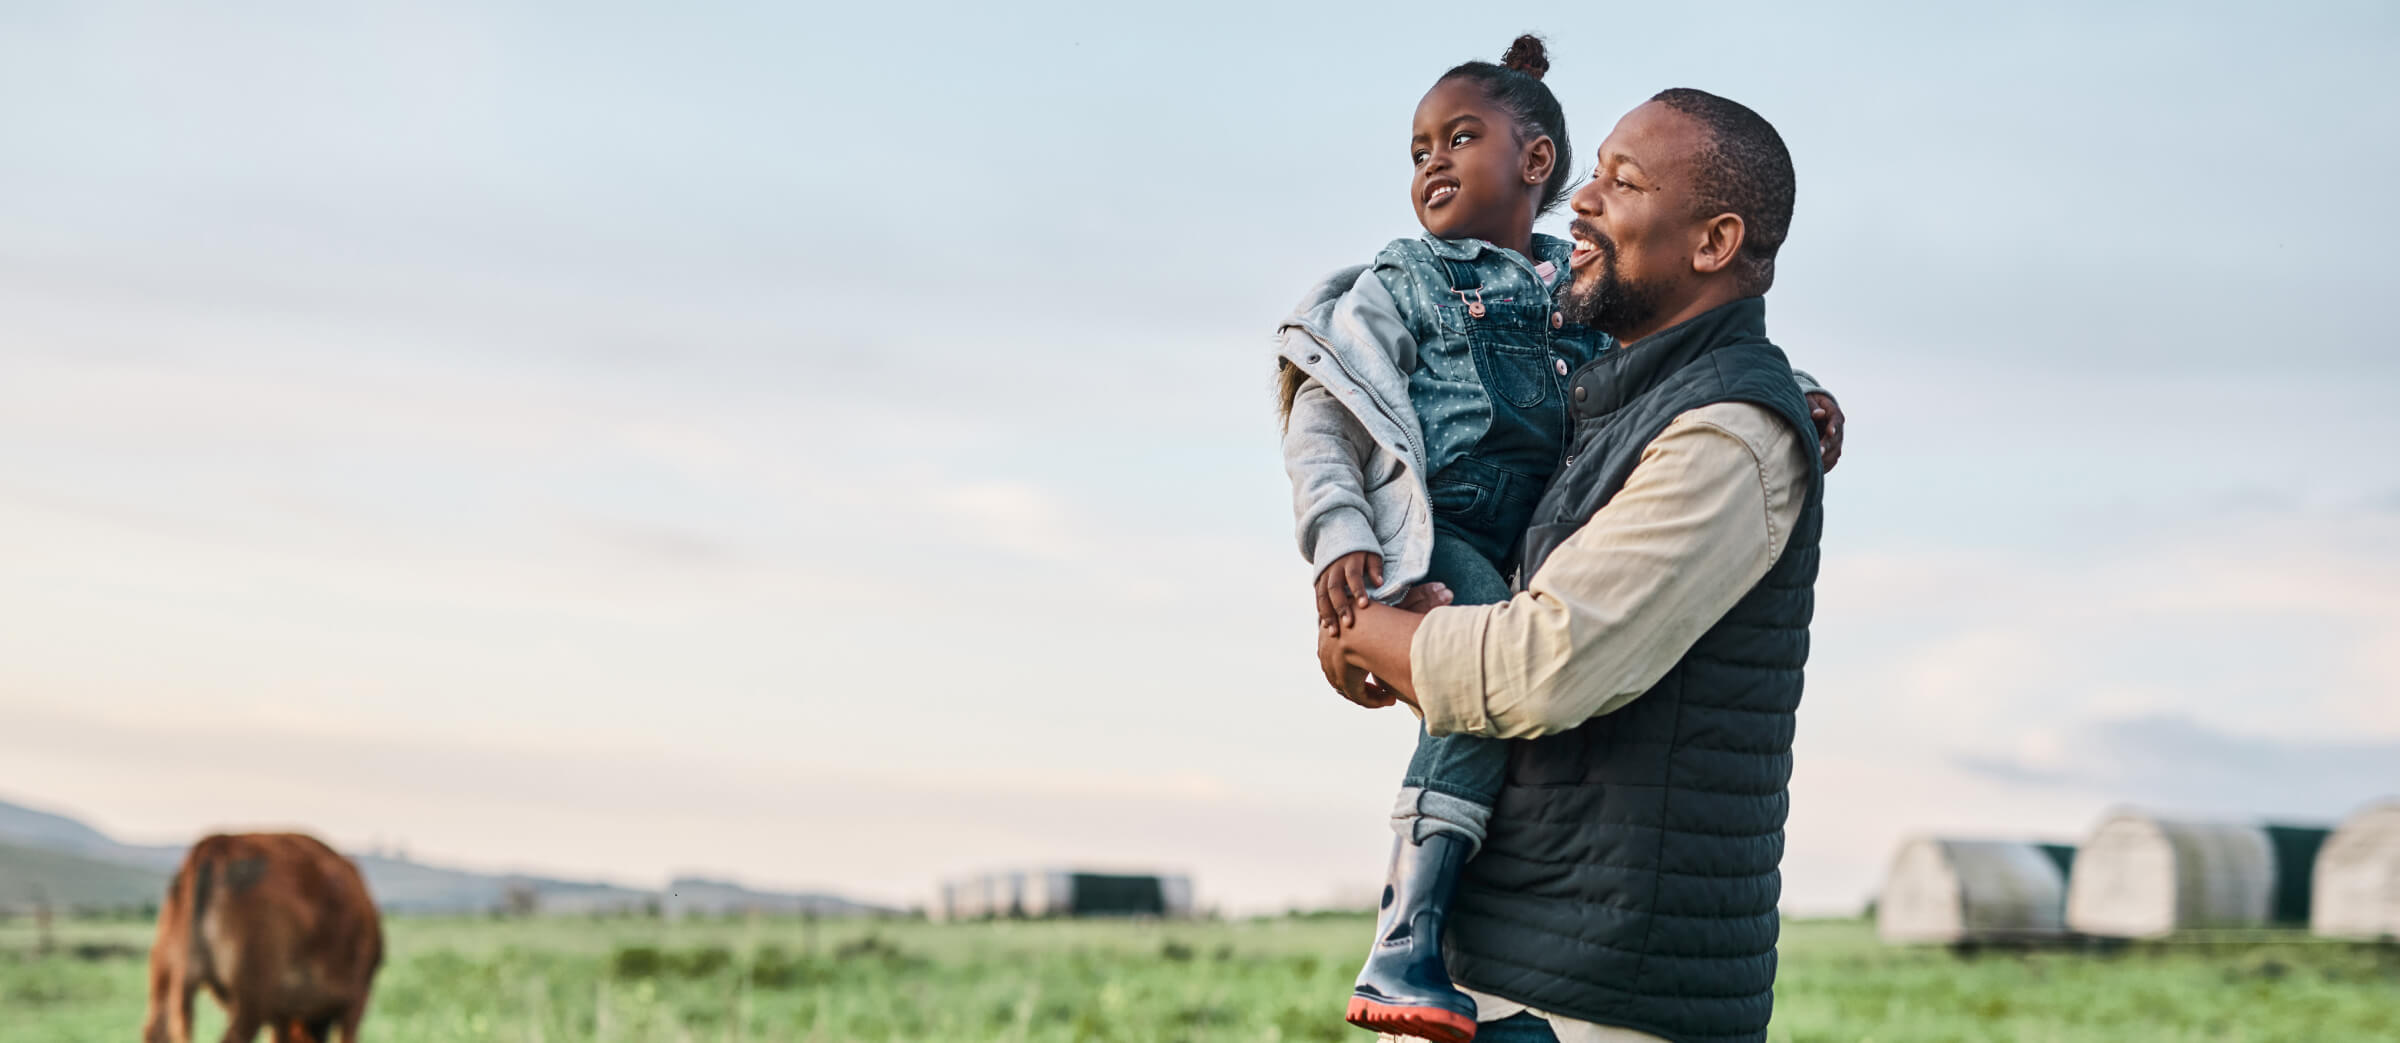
625	981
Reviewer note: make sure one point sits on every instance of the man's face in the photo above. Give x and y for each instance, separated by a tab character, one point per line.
1634	227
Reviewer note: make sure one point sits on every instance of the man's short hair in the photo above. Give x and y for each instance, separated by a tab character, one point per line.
1746	172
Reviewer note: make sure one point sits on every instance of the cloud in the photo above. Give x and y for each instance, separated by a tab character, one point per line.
1015	516
2198	618
638	810
665	544
2232	664
2172	761
426	417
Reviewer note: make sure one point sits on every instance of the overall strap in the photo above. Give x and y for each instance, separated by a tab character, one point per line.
1463	275
1466	284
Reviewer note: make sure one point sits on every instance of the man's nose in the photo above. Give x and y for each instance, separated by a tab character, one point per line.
1586	201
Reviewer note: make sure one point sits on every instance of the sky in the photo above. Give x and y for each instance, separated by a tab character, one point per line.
834	448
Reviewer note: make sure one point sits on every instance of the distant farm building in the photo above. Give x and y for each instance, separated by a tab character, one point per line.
1950	890
1043	893
2141	876
688	896
2358	876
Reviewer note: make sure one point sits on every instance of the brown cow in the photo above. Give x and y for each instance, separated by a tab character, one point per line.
276	925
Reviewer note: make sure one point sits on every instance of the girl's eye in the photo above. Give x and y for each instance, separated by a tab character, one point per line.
1460	138
1417	157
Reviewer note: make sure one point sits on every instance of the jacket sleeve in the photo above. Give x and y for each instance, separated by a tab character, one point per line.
1325	450
1809	385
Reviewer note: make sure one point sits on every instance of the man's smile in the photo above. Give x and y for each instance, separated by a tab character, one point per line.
1587	241
1585	250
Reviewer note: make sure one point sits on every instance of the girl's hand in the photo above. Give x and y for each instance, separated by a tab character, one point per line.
1828	415
1425	597
1342	588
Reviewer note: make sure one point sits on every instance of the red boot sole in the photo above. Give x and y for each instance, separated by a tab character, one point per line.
1434	1023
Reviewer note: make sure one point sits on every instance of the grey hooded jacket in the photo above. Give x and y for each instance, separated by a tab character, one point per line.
1352	445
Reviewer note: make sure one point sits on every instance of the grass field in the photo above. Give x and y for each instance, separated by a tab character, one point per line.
1283	979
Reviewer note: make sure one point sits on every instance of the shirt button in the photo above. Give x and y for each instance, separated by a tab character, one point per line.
1582	392
1557	320
1562	366
1570	459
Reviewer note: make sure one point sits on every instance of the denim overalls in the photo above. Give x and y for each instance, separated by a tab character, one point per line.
1490	387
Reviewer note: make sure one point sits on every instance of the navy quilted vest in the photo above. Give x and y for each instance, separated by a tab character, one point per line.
1631	877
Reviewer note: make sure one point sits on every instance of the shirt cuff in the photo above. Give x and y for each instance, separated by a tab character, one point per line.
1340	531
1445	664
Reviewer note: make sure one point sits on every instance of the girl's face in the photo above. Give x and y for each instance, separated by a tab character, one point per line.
1473	180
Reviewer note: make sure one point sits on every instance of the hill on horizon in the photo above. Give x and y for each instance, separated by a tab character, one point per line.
32	877
48	856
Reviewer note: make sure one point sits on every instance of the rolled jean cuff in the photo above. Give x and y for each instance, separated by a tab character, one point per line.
1418	813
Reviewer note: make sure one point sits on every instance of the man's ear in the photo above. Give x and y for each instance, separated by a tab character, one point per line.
1720	242
1541	158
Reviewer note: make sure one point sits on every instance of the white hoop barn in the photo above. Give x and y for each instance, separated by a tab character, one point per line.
2358	876
1952	890
2142	876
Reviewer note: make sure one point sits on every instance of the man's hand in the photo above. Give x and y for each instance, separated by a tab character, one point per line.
1828	415
1368	661
1345	670
1343	587
1347	677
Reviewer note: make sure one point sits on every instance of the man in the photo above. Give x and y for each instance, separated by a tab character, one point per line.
1628	884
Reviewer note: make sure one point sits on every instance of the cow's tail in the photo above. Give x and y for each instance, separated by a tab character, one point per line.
205	870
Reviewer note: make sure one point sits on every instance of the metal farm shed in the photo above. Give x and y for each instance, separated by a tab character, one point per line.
2358	876
1952	890
1042	893
2143	876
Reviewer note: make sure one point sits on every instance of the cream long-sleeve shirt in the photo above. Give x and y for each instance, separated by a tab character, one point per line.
1703	516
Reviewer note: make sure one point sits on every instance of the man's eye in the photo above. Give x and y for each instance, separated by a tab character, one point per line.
1460	138
1624	184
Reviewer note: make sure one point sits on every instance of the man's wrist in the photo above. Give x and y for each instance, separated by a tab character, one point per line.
1378	643
1446	669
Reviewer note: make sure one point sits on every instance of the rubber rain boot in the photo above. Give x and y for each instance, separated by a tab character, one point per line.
1404	989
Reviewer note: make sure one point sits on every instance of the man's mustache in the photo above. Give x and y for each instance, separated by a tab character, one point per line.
1591	233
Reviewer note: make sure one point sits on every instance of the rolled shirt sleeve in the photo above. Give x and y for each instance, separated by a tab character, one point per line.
1703	516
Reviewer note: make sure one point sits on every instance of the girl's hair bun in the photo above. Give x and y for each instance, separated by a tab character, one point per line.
1527	56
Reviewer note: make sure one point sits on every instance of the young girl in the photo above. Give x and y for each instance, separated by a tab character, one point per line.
1425	408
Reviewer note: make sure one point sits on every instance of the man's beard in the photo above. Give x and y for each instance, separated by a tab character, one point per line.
1612	305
